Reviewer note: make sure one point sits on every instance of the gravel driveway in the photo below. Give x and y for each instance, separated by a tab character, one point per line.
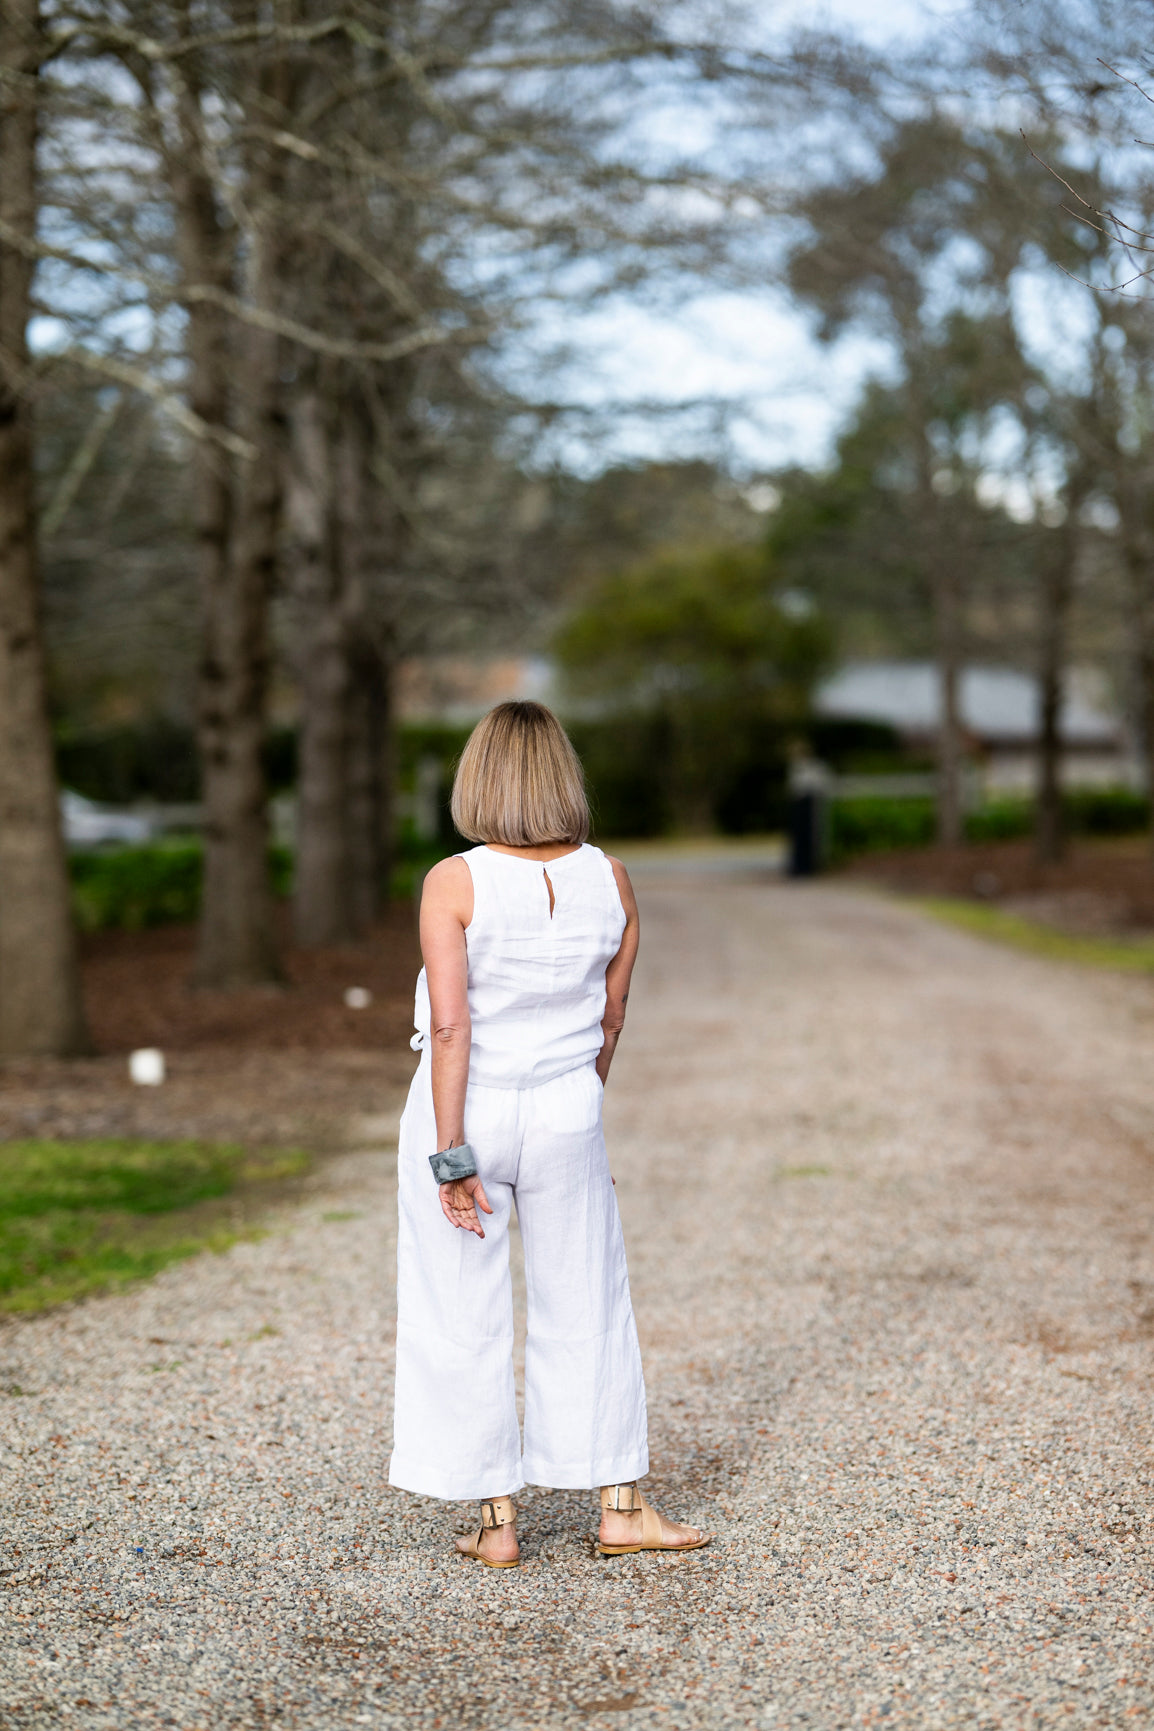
888	1197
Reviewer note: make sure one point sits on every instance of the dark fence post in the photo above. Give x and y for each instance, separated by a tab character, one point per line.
808	802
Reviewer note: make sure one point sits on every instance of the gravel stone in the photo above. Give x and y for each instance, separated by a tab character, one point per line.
888	1198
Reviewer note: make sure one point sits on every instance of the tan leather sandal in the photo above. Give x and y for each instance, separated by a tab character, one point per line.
612	1498
495	1512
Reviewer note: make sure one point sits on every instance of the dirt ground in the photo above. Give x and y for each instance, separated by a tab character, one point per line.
138	992
288	1064
1101	888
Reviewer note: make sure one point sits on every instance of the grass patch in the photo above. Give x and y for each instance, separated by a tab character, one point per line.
1135	956
802	1172
82	1217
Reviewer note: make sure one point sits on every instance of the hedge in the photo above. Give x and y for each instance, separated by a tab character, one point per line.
130	888
880	824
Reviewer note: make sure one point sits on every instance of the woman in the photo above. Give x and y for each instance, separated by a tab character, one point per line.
528	941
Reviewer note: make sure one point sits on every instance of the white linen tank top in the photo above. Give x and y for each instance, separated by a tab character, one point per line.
536	982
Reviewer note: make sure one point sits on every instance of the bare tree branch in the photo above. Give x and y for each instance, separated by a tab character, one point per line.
150	386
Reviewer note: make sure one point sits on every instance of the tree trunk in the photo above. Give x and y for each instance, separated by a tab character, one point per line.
1056	594
237	941
40	1001
1138	554
947	621
343	654
1143	585
1146	678
322	911
369	742
942	581
370	782
236	530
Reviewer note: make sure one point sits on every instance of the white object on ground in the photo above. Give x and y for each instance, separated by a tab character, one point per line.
146	1066
358	998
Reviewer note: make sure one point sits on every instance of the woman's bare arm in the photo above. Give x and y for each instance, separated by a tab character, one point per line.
446	909
619	972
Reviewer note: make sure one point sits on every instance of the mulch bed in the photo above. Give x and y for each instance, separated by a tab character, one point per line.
288	1064
138	992
1101	888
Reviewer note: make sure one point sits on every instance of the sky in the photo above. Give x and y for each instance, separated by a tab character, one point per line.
787	393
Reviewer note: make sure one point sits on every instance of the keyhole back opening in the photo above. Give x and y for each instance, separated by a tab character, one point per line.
549	887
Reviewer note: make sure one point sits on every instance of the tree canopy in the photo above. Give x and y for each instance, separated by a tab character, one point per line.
707	643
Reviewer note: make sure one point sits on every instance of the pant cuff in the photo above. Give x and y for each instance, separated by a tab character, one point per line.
585	1475
426	1481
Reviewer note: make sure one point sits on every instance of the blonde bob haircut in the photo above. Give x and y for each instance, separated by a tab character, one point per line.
519	781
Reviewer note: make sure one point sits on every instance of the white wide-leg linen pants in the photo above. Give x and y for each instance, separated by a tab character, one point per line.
455	1428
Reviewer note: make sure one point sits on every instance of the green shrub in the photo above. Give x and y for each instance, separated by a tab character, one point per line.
132	888
873	824
877	824
622	757
1000	820
417	739
1106	811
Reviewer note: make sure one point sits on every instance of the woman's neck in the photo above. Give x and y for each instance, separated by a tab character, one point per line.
543	850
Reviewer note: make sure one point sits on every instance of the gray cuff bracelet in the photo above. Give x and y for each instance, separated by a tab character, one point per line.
453	1163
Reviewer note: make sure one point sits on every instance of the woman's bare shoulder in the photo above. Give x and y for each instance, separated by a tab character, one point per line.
624	887
448	884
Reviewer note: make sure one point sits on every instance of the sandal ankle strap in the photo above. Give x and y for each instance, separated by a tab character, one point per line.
622	1499
497	1512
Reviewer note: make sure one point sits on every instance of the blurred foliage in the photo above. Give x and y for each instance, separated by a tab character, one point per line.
154	759
879	824
1106	811
850	539
159	883
415	856
699	656
621	756
440	739
78	1217
682	625
128	889
118	556
860	747
1102	811
631	511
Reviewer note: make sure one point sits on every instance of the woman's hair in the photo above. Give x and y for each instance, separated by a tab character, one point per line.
519	781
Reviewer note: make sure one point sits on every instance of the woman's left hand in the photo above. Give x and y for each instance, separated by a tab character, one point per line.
460	1201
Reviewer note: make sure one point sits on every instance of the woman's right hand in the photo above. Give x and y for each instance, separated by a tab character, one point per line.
460	1201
